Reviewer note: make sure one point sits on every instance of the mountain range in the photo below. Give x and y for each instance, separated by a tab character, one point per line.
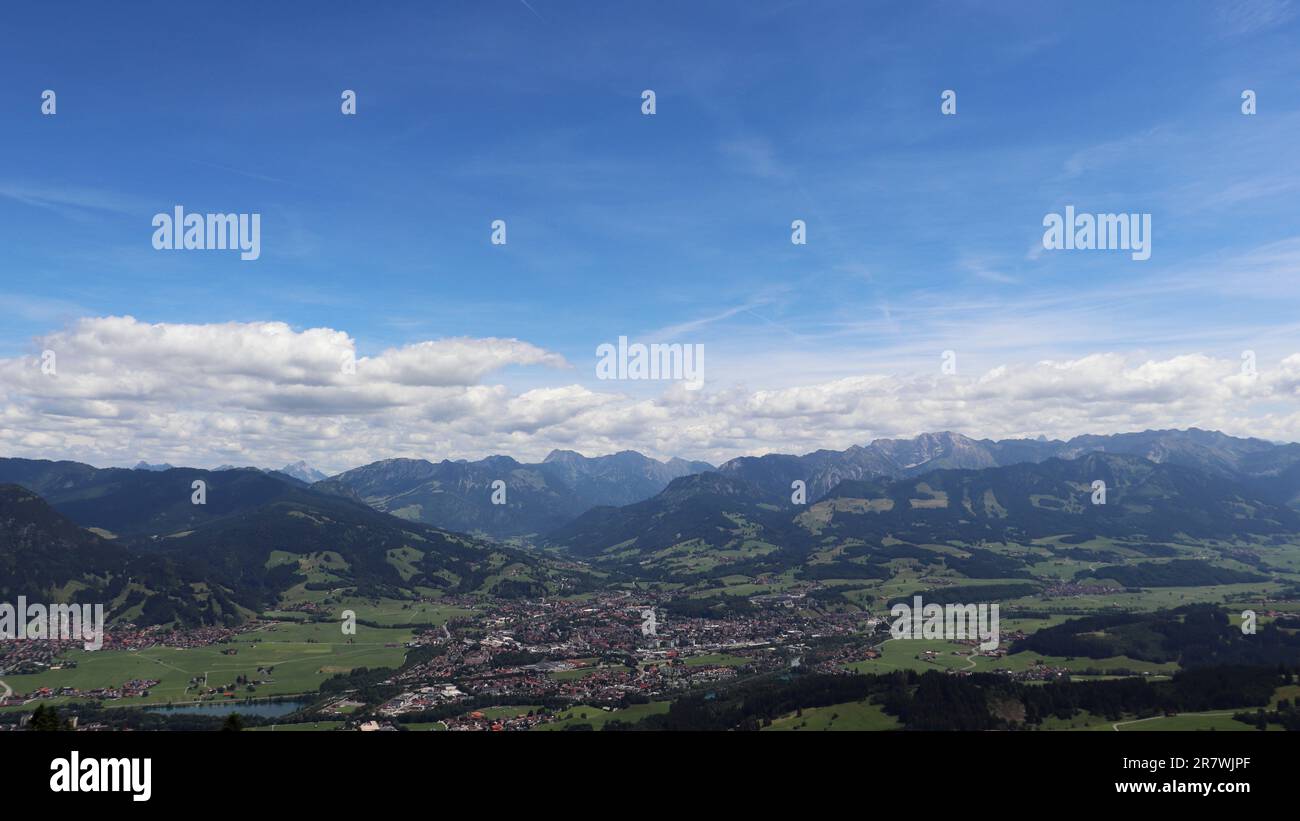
46	557
299	470
980	508
547	495
718	514
1211	451
537	497
71	529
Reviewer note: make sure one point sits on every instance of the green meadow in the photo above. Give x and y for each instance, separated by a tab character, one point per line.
426	726
381	611
853	715
907	654
302	655
597	717
1219	721
308	727
508	711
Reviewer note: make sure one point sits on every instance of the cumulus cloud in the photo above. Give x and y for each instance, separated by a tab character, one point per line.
264	393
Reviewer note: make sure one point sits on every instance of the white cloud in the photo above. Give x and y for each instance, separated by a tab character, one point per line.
263	393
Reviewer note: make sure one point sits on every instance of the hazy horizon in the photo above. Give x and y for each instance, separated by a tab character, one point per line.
662	459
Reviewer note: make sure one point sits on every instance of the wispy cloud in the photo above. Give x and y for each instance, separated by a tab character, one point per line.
39	309
70	200
1243	17
533	10
983	269
1101	155
755	156
675	331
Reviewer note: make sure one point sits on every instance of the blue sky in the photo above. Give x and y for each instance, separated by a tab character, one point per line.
923	230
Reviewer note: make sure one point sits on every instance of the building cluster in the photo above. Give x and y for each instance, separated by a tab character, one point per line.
1064	590
135	688
607	650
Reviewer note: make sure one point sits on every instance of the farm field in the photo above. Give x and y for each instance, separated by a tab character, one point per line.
902	654
1150	599
384	612
302	655
1219	721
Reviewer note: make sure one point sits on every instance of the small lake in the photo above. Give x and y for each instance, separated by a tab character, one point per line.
264	709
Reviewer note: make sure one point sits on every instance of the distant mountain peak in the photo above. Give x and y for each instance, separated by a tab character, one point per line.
558	455
303	472
500	461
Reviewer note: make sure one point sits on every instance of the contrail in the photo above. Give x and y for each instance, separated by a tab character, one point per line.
533	10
